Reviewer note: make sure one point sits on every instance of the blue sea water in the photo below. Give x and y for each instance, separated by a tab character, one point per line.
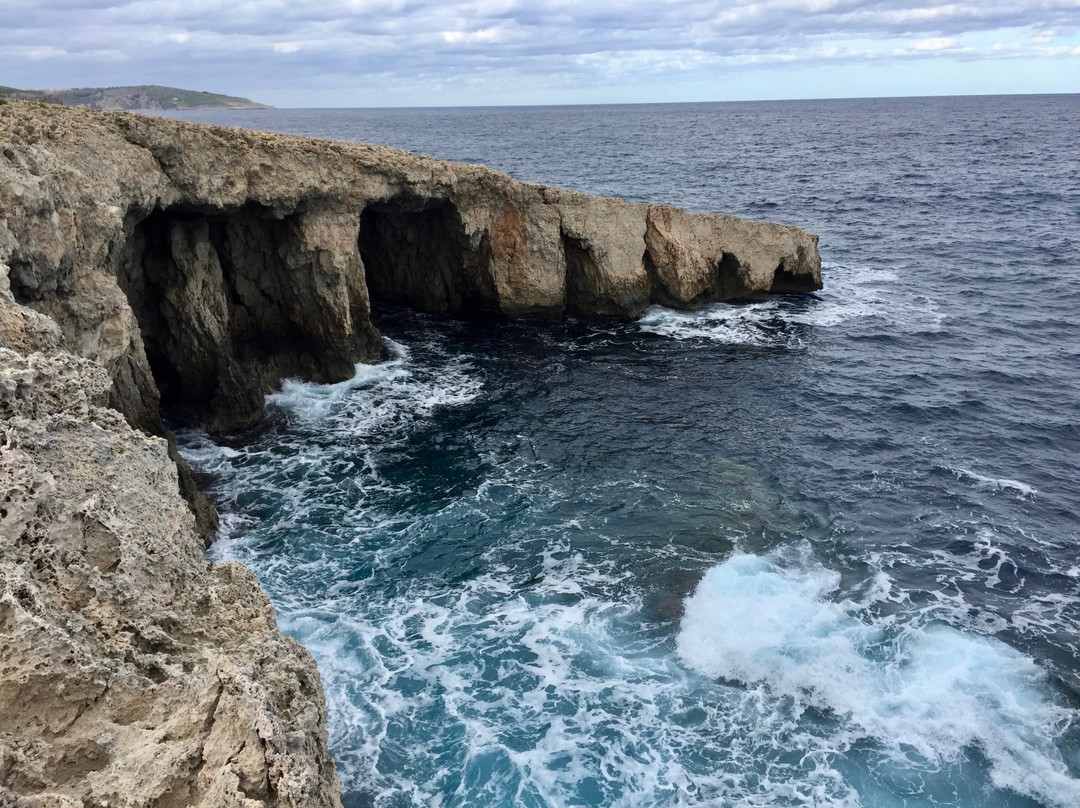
818	550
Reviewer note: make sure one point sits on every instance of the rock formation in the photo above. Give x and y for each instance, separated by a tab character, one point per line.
148	262
133	672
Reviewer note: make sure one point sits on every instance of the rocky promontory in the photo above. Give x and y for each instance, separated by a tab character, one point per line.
147	264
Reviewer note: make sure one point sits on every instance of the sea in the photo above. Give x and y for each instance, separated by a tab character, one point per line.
819	550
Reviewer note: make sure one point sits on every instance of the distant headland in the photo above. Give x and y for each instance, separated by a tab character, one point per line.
142	96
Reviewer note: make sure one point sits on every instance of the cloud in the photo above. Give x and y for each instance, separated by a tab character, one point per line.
936	43
484	35
406	42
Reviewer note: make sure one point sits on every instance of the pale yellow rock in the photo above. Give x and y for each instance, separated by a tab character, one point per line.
133	672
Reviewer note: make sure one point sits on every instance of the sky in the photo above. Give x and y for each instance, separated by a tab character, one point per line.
376	53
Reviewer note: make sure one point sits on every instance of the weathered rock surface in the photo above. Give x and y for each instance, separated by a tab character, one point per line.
133	672
145	261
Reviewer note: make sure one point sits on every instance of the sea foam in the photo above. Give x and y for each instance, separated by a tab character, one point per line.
922	694
997	483
853	293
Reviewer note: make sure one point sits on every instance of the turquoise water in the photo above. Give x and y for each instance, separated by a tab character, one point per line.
812	551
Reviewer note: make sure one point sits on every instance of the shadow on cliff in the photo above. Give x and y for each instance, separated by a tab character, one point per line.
230	303
417	253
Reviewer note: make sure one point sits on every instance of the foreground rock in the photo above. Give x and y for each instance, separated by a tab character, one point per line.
145	261
133	672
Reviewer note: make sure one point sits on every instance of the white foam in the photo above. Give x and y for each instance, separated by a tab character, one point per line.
850	293
312	401
228	525
386	398
555	658
742	324
324	461
199	449
996	483
921	693
870	294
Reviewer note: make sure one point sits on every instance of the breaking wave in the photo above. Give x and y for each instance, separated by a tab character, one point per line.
923	694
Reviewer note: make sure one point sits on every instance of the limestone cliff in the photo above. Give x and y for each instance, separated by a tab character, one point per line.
132	672
209	263
145	261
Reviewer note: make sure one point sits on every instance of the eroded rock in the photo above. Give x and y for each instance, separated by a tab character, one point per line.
209	263
133	672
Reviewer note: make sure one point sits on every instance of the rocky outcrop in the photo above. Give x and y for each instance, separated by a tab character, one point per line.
133	672
146	263
208	263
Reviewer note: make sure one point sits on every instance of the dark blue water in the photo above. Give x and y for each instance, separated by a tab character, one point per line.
813	551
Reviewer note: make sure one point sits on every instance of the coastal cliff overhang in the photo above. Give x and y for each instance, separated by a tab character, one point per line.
417	252
206	264
221	313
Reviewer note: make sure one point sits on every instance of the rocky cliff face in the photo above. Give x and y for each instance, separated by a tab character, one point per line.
146	261
132	672
209	263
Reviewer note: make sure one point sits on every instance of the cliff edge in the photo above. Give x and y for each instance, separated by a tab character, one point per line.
147	262
132	672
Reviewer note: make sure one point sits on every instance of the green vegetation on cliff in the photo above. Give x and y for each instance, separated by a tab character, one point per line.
46	96
143	96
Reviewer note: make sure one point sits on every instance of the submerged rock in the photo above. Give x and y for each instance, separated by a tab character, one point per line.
146	260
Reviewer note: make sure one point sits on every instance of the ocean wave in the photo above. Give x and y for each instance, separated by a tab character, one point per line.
536	687
922	693
756	324
310	401
322	462
851	294
995	483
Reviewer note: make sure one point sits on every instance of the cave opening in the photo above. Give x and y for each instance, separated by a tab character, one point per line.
730	281
231	302
417	253
203	286
582	278
788	280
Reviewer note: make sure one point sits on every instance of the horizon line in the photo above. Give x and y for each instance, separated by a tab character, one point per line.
626	103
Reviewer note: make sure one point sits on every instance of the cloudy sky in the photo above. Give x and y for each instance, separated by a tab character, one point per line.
421	52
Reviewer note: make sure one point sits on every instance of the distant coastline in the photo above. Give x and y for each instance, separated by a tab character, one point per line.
138	97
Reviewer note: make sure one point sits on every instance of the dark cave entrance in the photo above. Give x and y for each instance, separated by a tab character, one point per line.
229	303
583	298
788	280
202	286
417	253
